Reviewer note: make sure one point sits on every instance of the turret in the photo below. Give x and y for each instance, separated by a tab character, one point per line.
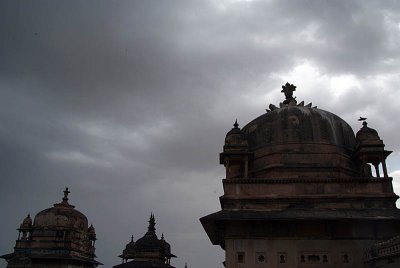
370	149
235	156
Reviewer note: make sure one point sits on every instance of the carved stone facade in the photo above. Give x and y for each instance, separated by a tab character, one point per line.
299	191
58	237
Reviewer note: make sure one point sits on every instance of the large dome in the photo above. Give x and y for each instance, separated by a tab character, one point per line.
60	216
63	222
292	141
299	124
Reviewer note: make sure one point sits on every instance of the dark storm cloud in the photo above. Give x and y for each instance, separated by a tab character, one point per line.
128	102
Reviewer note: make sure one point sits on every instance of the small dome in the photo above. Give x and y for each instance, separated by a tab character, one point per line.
129	251
92	232
27	222
235	139
166	245
366	134
91	229
130	245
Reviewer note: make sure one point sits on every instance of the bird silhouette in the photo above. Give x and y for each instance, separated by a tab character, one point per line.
362	118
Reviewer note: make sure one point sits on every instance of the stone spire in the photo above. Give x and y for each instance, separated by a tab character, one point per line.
151	229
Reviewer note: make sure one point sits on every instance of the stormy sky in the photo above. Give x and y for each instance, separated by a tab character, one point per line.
127	103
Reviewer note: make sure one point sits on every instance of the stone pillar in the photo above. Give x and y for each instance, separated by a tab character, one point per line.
384	169
377	170
246	168
227	168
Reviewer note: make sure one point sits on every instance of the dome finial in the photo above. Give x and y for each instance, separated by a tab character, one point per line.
132	238
64	202
236	125
288	89
65	198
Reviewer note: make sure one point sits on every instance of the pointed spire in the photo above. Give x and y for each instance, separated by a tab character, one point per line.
162	236
132	238
152	223
185	265
236	125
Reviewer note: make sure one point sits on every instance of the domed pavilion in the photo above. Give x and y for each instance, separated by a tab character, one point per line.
148	251
58	237
301	190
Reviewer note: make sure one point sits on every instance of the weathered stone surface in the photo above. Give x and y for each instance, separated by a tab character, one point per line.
300	192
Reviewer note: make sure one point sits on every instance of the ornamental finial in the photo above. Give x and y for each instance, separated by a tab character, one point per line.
236	125
65	198
288	89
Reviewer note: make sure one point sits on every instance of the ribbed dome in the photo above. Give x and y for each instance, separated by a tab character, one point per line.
299	124
291	141
281	138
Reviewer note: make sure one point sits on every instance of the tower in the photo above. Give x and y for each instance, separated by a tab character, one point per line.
299	191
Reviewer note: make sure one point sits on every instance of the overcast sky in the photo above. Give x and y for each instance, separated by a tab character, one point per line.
128	102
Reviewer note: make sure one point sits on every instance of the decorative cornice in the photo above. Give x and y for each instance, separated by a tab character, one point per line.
305	180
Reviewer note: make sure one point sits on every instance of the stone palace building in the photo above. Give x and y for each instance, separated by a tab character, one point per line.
301	190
